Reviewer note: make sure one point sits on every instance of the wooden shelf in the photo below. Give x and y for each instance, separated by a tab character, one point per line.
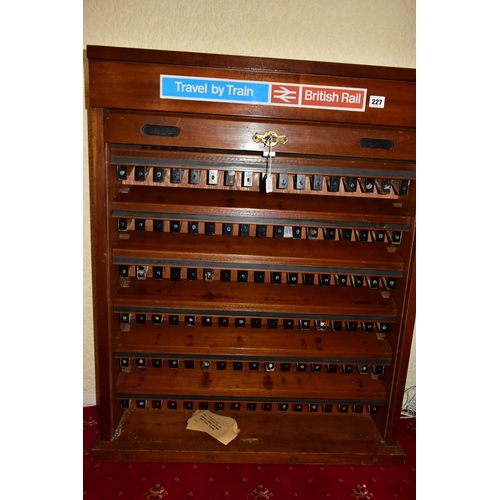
258	344
293	439
275	254
149	202
247	300
249	385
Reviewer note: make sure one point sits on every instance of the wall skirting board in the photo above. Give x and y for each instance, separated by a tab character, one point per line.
89	401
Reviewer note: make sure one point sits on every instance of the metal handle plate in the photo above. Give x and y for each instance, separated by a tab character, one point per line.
270	138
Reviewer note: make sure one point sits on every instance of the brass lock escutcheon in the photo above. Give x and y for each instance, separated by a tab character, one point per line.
270	138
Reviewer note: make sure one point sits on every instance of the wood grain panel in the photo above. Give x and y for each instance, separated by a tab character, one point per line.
236	343
224	133
265	300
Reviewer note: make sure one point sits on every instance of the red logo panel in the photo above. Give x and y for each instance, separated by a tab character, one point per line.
333	97
285	94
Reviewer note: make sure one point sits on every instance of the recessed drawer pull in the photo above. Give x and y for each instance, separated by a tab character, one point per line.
377	144
161	130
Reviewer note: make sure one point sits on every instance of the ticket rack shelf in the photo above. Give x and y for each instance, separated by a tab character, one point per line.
276	438
260	344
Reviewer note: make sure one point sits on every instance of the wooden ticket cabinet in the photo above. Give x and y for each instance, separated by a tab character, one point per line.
253	246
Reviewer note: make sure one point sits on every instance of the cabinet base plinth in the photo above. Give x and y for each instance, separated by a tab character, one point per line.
278	439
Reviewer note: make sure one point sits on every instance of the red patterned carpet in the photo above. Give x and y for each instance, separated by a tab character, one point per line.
160	481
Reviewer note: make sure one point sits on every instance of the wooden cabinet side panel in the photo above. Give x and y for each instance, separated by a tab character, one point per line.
402	356
100	286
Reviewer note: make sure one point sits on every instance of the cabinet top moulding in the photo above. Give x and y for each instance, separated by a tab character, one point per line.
250	63
124	78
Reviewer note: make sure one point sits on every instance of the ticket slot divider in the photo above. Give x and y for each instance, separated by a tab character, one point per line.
170	166
298	180
201	224
235	408
139	318
146	270
252	320
176	270
363	232
240	362
183	172
247	364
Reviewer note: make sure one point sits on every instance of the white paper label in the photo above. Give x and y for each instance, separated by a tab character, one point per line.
269	184
376	101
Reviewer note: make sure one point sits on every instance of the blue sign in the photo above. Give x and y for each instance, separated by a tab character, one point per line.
213	89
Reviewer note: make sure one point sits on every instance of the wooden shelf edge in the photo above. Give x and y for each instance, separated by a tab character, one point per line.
387	455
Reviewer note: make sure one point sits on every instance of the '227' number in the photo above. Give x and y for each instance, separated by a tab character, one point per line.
377	101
